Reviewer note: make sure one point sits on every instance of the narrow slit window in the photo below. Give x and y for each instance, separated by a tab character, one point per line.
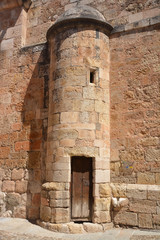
92	76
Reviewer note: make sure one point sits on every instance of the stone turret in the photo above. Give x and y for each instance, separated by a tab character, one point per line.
78	150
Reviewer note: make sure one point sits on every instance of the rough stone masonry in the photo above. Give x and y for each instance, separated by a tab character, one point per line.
79	83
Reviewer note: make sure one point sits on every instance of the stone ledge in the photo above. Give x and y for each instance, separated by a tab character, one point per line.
75	228
137	25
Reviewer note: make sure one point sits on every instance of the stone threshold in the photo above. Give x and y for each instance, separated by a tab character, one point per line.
76	228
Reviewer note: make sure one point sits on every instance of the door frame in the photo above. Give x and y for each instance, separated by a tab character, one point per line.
91	199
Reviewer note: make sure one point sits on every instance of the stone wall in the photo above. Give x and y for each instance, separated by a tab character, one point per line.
135	112
23	107
142	209
43	14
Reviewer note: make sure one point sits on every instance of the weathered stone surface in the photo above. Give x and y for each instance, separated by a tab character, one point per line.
146	178
45	213
153	155
21	186
17	174
102	204
8	186
75	228
60	203
143	206
136	192
126	218
145	220
102	217
54	186
92	228
104	190
60	215
154	194
118	190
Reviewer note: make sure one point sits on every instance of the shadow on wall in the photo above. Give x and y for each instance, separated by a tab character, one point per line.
34	118
8	19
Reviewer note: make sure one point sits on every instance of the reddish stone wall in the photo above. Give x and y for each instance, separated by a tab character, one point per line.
23	117
135	112
43	14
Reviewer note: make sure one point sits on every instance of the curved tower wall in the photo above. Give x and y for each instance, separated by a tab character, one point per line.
78	118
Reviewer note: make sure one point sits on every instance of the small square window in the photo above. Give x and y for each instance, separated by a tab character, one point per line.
93	76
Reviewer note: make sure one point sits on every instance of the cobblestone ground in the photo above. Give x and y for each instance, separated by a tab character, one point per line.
15	236
21	229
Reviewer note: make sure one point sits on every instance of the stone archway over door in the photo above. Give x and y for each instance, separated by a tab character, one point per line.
81	189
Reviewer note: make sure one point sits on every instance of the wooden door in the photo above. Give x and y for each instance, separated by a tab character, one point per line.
81	189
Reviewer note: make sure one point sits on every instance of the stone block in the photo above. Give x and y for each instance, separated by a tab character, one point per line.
53	119
145	178
92	228
87	106
158	178
61	176
61	166
118	190
102	204
36	199
156	219
152	155
34	187
44	201
136	194
24	145
105	152
21	186
86	134
67	134
126	218
154	194
102	217
102	176
67	142
59	194
2	173
60	203
4	152
101	107
7	44
69	117
107	226
45	213
103	165
60	215
104	190
145	220
63	228
72	92
54	186
19	212
142	206
75	228
8	186
34	159
13	200
17	174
